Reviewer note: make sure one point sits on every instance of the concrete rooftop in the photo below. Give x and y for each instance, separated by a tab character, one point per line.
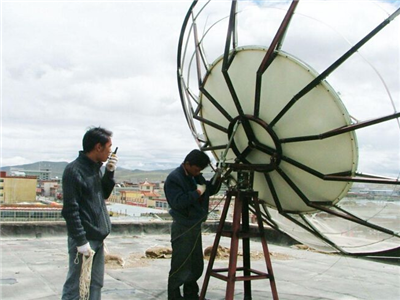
34	267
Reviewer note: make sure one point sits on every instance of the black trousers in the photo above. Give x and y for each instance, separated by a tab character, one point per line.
187	262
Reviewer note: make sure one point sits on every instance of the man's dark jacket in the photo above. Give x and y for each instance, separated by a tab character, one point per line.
84	194
187	206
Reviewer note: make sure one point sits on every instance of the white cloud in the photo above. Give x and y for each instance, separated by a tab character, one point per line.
71	65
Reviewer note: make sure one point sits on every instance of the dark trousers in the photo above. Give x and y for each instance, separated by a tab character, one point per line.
71	285
187	262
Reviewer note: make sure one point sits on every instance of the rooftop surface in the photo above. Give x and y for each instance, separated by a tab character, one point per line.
34	268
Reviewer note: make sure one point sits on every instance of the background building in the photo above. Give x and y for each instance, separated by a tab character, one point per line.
16	189
50	188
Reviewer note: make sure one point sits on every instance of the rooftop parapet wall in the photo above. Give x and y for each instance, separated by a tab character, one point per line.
119	228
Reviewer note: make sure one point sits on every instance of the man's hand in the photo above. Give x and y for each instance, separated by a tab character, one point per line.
85	249
201	188
112	163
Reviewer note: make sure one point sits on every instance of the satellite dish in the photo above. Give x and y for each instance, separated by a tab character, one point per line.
262	103
262	143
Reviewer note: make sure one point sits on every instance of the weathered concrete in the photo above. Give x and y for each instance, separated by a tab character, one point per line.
35	267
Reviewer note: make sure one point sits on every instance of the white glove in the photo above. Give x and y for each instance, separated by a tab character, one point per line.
112	163
85	249
201	188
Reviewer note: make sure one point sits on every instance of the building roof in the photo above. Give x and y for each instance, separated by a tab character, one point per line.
20	177
34	207
146	183
35	267
150	194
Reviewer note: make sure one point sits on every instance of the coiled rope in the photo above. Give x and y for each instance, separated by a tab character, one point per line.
86	274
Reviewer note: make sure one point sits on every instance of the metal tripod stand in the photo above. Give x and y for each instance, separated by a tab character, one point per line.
244	196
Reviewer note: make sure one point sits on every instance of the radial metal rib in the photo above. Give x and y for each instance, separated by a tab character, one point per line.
340	130
333	67
321	206
270	55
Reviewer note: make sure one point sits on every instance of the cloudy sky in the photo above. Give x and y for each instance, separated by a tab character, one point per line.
69	65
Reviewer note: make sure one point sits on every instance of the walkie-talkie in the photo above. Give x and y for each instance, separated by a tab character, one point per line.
112	164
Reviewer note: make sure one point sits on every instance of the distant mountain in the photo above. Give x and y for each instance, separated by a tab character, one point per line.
122	174
57	168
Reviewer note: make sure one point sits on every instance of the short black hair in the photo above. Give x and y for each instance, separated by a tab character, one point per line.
197	158
93	136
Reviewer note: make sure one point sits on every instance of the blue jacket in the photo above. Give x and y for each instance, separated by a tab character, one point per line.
187	206
84	194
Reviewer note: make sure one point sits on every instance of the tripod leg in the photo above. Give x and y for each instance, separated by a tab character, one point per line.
265	249
215	246
230	288
246	248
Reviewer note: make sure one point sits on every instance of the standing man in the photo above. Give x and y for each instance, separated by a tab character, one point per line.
188	193
84	210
